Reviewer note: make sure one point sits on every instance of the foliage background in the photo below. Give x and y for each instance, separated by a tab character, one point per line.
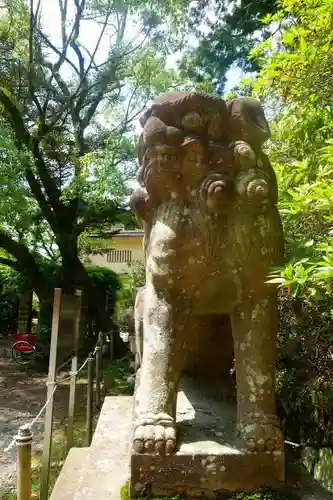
295	84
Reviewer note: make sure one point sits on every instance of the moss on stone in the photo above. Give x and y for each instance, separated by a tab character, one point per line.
124	494
265	494
124	491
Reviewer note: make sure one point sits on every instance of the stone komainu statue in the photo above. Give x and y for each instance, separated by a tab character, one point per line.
207	203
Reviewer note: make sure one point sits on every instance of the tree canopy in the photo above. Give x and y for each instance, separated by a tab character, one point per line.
68	112
295	83
225	33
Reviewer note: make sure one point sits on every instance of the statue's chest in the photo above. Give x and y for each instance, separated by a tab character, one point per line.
185	238
182	230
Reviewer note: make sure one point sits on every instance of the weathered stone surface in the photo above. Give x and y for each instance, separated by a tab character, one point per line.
207	203
65	486
106	468
207	460
101	471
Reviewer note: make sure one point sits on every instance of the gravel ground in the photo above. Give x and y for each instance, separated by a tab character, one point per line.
22	395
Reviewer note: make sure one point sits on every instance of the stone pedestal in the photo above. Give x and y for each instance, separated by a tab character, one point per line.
207	461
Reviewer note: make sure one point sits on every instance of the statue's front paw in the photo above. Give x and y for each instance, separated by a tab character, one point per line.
155	434
261	433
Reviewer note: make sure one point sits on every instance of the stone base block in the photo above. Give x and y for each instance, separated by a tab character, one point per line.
205	474
207	461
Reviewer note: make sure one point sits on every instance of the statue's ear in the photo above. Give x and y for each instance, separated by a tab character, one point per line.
247	121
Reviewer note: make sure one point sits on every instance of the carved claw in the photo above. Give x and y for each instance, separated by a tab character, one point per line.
214	192
258	189
261	434
155	435
244	154
255	190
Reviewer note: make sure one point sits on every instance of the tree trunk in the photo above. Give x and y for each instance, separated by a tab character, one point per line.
74	275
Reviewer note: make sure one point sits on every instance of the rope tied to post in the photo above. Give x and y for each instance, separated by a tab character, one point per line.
24	435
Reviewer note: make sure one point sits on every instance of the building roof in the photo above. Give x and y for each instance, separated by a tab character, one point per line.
120	234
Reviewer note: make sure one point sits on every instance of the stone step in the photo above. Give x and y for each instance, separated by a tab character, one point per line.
99	472
66	484
106	468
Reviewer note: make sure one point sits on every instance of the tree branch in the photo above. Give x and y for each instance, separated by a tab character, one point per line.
63	15
80	6
32	27
10	263
62	55
16	120
40	198
25	260
121	26
92	108
84	83
23	137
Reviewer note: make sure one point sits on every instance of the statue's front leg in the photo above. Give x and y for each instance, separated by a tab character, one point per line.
254	325
138	326
159	375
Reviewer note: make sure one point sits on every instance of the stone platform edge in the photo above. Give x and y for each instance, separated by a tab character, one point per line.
204	474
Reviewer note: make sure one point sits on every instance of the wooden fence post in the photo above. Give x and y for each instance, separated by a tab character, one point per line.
102	338
98	369
45	472
71	403
90	387
23	460
74	366
102	351
111	336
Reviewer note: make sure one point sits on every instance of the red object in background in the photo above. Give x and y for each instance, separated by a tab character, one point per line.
25	337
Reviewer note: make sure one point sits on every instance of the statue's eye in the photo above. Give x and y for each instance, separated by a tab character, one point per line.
257	117
192	121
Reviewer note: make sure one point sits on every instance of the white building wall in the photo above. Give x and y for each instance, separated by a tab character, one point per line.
118	267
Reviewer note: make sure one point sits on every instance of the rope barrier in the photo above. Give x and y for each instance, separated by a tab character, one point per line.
56	385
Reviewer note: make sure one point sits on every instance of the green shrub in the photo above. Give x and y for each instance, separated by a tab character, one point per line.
12	284
126	293
8	313
107	280
304	368
103	278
